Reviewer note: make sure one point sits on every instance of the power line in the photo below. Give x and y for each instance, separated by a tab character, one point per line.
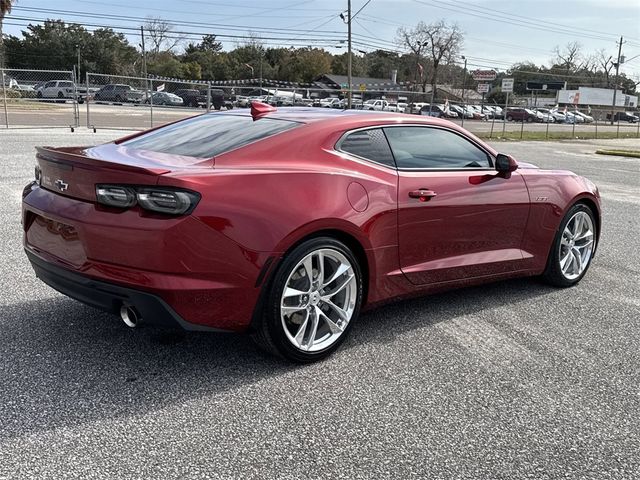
505	19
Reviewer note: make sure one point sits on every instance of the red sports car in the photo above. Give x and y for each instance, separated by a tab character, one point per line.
285	223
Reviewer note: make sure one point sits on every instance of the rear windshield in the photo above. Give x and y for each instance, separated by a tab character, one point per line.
210	135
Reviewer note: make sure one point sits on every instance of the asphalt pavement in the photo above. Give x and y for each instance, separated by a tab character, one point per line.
513	380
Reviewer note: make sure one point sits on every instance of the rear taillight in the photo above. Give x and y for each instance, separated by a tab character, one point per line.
161	200
116	196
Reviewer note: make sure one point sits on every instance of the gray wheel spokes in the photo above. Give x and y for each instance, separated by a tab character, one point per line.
576	245
318	300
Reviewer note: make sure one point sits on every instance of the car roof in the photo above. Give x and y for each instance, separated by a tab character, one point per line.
348	118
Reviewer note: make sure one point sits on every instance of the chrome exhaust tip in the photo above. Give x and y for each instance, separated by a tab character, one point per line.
130	316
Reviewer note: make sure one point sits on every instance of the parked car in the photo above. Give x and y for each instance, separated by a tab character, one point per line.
119	93
587	118
519	114
415	107
623	117
165	98
376	104
192	97
56	89
242	101
462	112
152	228
26	91
438	111
572	118
328	102
558	117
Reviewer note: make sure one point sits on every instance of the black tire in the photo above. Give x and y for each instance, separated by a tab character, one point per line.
529	119
118	99
269	332
60	95
509	118
39	94
553	274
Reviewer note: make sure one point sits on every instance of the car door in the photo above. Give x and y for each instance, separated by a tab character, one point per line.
48	90
457	217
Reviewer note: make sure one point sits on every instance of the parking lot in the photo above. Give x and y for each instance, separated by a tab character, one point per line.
511	380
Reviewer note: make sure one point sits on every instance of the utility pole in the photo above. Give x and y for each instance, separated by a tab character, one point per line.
349	54
464	86
615	83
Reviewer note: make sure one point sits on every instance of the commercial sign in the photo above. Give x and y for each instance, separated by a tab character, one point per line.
484	75
507	85
483	88
546	85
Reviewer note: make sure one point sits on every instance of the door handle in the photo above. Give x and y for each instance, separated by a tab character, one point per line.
424	194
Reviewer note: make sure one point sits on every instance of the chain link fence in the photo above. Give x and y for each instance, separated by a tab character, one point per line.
46	98
38	98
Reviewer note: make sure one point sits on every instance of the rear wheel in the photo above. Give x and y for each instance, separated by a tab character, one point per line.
572	248
509	118
312	301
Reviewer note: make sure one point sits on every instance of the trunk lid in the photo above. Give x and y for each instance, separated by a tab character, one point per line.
74	172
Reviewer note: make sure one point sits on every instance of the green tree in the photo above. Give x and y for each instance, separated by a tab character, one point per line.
5	8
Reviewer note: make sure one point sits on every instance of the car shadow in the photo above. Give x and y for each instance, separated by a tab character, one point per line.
65	364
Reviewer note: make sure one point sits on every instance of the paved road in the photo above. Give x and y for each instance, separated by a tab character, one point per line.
512	380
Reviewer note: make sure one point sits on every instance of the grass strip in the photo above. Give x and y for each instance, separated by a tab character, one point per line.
620	153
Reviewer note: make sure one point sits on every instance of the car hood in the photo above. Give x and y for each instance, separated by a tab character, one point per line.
526	165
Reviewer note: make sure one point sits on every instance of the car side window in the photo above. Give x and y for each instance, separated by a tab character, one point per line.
370	144
108	87
50	84
426	148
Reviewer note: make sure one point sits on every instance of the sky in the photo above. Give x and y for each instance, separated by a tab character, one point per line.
497	33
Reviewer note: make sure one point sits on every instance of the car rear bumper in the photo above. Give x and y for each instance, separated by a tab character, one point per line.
178	270
109	297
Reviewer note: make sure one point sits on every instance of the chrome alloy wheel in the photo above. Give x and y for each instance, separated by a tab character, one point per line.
576	245
318	300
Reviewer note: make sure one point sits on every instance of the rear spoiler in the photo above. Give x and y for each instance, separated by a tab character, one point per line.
71	156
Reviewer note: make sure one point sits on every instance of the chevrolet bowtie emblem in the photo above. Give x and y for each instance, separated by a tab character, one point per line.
61	185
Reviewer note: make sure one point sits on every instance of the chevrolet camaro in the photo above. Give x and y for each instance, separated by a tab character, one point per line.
287	222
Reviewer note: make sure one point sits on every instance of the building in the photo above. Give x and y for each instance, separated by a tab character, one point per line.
596	97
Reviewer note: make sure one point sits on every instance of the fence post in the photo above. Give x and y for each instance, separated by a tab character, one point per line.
208	96
4	101
596	124
618	128
86	100
638	130
546	135
150	84
573	127
504	118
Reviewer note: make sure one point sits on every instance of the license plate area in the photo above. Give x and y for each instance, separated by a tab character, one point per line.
54	238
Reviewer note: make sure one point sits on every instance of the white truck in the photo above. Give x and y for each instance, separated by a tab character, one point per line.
380	105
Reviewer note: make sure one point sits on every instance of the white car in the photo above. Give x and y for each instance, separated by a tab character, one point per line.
558	117
573	118
379	105
587	118
56	89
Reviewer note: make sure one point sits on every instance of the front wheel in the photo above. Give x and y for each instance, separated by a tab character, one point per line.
573	247
312	302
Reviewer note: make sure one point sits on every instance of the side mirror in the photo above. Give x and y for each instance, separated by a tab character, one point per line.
506	163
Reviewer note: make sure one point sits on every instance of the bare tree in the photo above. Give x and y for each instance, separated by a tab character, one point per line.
161	35
606	62
439	42
569	56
